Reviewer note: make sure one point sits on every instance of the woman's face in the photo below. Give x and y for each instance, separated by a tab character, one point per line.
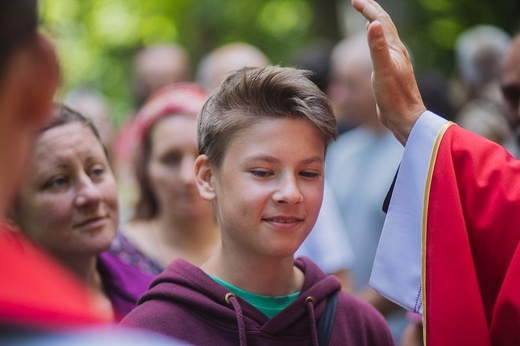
170	167
68	197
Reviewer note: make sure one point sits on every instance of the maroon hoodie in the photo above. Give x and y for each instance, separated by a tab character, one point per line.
187	304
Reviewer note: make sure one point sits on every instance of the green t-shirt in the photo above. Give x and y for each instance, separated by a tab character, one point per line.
268	305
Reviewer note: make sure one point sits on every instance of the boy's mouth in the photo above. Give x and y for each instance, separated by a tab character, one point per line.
284	222
283	219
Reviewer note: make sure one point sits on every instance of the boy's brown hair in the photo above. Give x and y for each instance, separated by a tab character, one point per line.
254	93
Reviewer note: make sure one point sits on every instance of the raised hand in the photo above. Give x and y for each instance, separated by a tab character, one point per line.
395	88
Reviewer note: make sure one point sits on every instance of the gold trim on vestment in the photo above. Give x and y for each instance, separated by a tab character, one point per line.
433	158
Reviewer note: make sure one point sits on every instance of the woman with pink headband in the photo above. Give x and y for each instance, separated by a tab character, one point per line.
170	220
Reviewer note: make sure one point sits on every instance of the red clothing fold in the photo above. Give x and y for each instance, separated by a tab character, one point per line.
472	278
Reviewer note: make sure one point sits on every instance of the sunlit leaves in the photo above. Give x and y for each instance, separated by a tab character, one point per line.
158	29
282	19
97	38
115	23
444	32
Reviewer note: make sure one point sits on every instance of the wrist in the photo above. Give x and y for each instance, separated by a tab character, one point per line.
403	128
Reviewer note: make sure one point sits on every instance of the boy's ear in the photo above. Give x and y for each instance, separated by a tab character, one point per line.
204	178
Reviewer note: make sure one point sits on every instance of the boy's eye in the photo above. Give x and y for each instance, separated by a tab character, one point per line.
310	174
261	174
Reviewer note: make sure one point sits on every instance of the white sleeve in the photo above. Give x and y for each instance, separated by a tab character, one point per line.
396	273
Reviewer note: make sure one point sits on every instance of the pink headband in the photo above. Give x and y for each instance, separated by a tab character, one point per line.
178	98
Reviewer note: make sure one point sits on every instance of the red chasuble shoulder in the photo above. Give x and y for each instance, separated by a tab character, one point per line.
472	259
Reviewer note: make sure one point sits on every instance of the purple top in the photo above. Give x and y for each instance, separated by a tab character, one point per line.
187	304
123	283
129	253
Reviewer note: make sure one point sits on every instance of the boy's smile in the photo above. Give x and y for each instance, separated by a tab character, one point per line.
283	222
269	189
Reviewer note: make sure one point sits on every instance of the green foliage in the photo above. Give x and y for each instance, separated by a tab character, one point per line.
96	39
433	26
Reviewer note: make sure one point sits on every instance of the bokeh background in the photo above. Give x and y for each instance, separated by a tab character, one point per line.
96	39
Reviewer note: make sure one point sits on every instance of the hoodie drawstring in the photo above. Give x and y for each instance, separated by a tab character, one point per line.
232	300
309	302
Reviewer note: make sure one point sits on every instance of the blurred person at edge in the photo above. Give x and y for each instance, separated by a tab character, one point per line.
328	244
41	303
479	51
510	86
170	219
29	75
67	204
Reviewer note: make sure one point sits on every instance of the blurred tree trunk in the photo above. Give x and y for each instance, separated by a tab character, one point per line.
327	22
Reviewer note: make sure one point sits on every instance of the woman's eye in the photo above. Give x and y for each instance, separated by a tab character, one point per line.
172	159
98	170
57	182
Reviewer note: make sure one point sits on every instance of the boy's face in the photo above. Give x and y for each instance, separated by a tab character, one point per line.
269	189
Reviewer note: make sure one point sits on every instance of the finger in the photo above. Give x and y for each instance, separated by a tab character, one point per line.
370	9
379	49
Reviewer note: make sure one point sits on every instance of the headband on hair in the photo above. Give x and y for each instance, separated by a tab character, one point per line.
178	98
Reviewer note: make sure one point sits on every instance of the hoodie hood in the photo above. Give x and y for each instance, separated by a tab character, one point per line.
187	286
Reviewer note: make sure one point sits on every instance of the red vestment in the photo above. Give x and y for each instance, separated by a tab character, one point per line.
472	263
449	246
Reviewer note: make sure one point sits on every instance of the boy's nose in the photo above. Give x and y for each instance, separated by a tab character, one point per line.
288	192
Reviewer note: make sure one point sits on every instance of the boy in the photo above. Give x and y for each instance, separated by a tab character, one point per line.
262	139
